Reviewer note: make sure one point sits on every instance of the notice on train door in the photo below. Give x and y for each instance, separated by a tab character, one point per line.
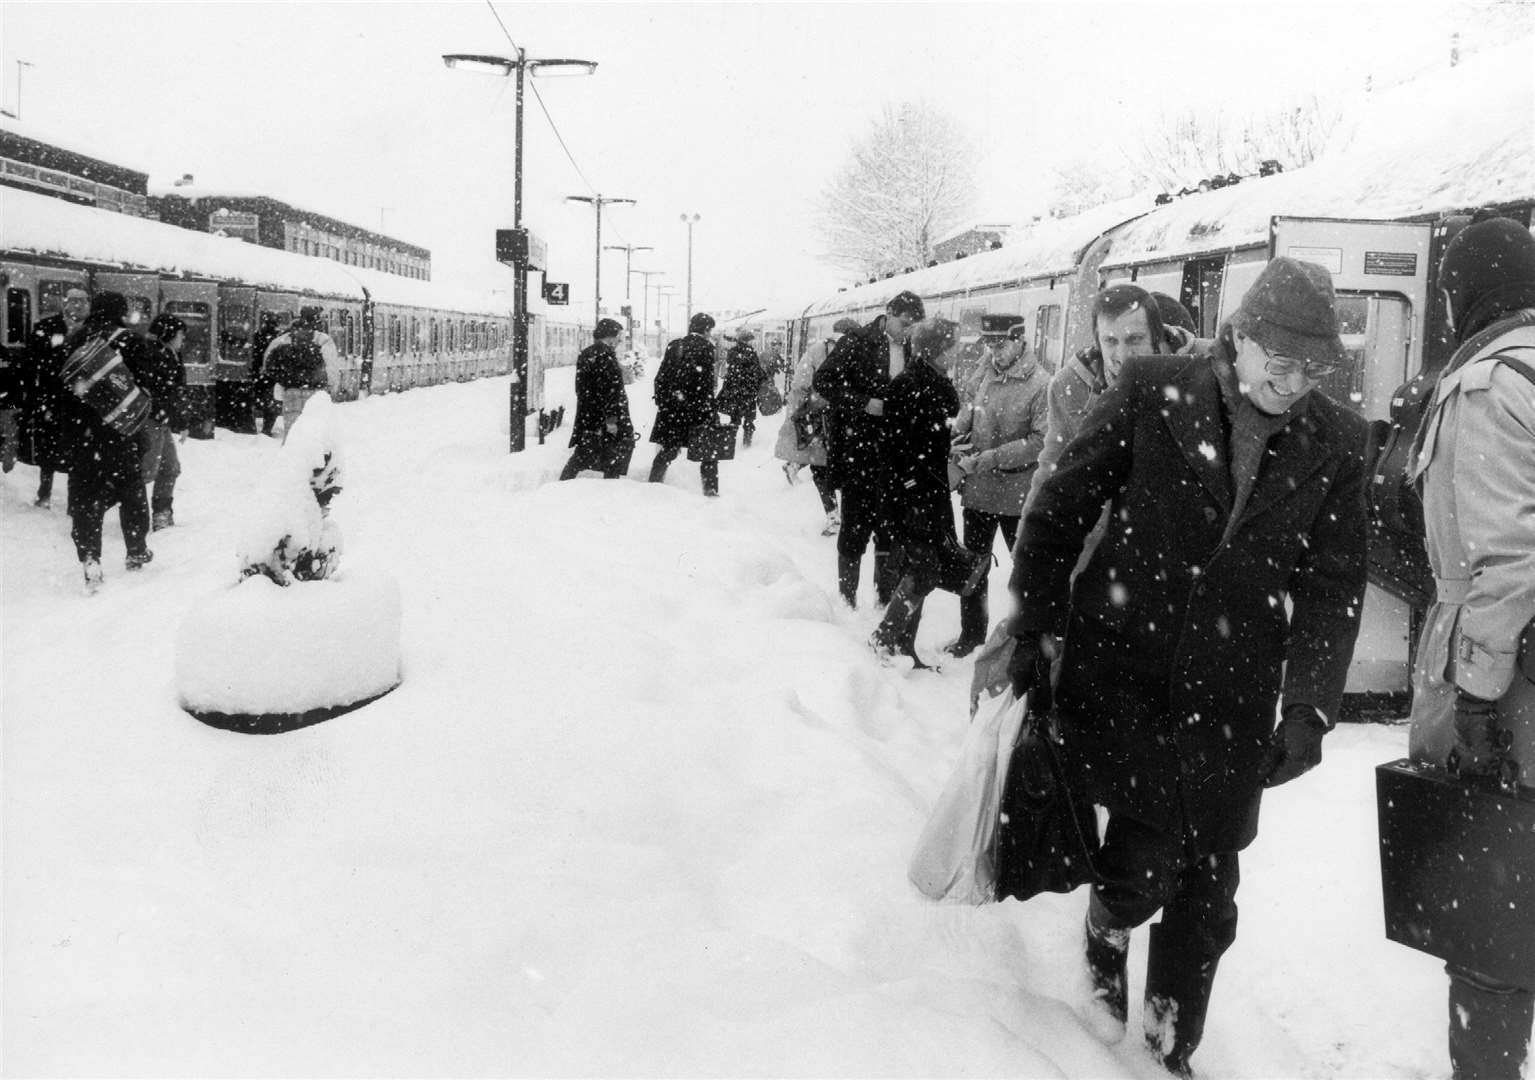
1328	258
1391	263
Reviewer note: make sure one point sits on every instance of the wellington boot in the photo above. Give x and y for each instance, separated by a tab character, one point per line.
1179	978
849	567
1107	950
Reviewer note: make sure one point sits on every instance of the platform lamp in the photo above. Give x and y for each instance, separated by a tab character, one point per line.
597	202
628	250
690	221
503	66
645	291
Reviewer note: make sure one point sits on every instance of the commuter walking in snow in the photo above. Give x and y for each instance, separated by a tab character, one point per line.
918	407
684	394
105	464
602	433
738	396
163	375
295	365
1236	492
1474	678
855	380
44	432
265	406
999	437
804	436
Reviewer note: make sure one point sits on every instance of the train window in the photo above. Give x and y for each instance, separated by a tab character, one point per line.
1376	332
1201	292
344	333
1353	314
394	334
198	319
18	316
1047	336
50	296
434	339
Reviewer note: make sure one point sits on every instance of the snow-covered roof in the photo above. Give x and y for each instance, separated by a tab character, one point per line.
28	130
43	225
1052	246
1459	138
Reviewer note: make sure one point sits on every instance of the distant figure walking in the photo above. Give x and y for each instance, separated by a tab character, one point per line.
162	373
743	374
297	365
44	434
684	394
602	434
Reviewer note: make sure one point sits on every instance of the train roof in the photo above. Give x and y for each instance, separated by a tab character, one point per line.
42	225
1047	248
1459	138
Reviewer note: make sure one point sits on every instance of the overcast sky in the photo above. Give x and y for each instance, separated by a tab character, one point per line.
739	112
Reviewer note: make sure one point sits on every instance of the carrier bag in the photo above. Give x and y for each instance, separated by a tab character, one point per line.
1457	867
97	374
769	398
712	442
1047	836
956	855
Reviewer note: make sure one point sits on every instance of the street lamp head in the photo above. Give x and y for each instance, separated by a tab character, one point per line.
494	65
692	219
560	68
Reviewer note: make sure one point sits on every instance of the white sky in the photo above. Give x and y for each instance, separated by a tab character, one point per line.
738	111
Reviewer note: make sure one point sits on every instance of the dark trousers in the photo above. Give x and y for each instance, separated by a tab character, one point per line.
980	533
1489	1026
863	516
746	420
708	470
610	457
44	484
825	486
92	492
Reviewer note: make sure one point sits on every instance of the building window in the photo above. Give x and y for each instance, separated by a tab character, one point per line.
18	316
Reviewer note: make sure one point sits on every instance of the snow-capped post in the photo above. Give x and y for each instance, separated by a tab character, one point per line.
293	640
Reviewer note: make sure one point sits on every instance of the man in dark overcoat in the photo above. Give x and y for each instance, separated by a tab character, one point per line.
684	393
602	433
45	435
1236	494
855	381
743	375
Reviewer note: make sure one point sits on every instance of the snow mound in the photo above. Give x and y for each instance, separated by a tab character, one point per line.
259	648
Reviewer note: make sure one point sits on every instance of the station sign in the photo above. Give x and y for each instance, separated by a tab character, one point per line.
520	247
556	292
238	223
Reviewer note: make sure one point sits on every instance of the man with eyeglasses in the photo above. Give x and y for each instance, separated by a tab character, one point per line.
1225	592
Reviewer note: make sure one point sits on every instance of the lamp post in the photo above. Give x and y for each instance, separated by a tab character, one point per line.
506	65
629	250
597	203
20	65
666	292
690	222
645	290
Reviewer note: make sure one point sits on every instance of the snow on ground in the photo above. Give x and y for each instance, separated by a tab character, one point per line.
642	806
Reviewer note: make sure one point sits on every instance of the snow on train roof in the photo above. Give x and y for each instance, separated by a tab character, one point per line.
1051	246
43	225
1458	138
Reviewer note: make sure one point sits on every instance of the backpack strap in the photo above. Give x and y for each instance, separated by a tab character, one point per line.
1521	366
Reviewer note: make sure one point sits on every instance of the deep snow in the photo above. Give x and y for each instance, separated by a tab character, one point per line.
642	806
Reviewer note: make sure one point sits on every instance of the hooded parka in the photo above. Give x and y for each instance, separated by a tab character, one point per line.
1178	645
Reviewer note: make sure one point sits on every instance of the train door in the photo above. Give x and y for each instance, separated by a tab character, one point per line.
1380	274
21	310
142	291
1200	293
196	303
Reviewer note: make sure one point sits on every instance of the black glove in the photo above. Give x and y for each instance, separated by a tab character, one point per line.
1029	666
1476	733
1295	748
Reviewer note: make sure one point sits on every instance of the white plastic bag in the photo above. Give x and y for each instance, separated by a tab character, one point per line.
956	855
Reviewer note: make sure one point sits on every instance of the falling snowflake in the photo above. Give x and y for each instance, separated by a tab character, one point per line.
1208	450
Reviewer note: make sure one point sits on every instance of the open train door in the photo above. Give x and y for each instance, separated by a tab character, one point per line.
1380	271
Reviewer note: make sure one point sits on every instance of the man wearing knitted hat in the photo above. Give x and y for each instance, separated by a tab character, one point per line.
1234	487
602	433
1474	681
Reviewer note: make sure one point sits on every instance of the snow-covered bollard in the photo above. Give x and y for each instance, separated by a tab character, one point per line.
294	641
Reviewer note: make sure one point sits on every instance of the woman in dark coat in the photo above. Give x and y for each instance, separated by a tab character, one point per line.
743	375
602	433
916	497
105	465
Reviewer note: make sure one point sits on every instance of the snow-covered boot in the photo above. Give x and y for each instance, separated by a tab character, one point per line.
163	519
972	624
897	631
1107	948
1489	1027
833	524
138	560
884	577
791	472
93	575
1180	974
849	567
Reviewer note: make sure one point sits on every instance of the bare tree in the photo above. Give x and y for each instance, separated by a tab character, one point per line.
1083	183
903	185
1190	146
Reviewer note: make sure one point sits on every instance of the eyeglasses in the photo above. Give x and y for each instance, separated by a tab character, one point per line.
1285	366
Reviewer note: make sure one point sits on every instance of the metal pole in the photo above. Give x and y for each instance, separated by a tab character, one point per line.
518	391
597	303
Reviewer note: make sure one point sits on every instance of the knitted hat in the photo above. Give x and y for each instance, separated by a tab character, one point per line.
700	323
1488	270
844	326
1174	313
1289	311
906	303
607	328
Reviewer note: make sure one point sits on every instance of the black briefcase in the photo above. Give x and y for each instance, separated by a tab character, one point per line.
1457	866
712	442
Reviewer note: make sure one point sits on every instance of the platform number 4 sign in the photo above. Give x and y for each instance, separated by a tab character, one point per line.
556	292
